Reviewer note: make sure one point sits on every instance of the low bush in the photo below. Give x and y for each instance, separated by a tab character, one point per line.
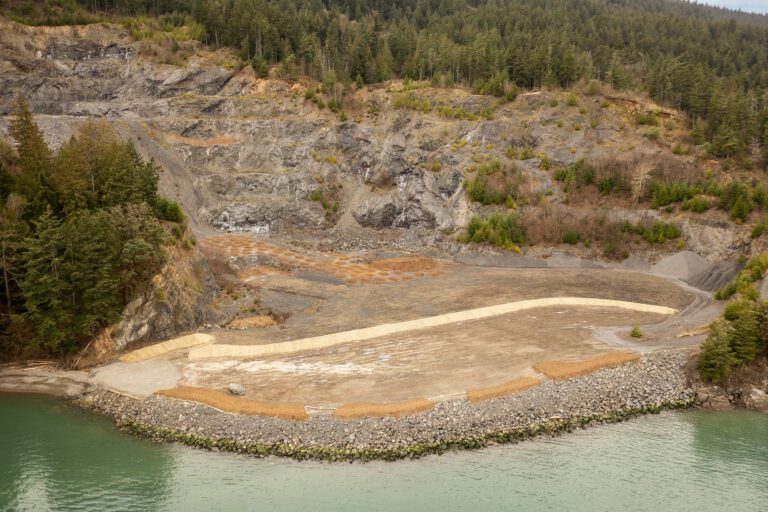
165	209
502	230
753	271
696	204
411	102
647	118
760	229
494	183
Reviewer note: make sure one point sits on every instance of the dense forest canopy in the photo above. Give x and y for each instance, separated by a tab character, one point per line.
80	235
710	62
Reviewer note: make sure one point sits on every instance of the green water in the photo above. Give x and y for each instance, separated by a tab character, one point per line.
55	457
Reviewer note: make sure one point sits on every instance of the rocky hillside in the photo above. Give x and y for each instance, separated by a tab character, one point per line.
260	155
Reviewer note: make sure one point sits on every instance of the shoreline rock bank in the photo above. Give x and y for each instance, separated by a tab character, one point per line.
657	382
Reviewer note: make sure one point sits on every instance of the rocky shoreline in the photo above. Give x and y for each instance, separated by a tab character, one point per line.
656	383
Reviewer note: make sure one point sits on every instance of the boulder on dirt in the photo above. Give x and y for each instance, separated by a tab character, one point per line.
236	389
683	265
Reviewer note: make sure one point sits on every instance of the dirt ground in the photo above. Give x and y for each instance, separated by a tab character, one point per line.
434	363
324	293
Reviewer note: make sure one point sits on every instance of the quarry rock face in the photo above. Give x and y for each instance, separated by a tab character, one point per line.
251	155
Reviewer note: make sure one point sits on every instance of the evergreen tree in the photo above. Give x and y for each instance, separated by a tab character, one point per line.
34	181
44	286
745	335
717	359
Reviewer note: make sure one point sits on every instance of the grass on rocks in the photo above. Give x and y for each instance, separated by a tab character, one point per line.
228	403
561	370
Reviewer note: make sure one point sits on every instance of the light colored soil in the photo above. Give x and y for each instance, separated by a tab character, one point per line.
512	386
561	370
228	403
438	362
364	410
432	363
320	342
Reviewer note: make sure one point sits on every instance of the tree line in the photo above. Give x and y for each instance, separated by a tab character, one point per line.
81	234
710	62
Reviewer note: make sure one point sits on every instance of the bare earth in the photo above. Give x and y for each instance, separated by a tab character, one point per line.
436	363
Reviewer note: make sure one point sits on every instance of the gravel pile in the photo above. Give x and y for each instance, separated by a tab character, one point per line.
656	382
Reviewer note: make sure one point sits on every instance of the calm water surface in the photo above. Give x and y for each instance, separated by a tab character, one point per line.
55	457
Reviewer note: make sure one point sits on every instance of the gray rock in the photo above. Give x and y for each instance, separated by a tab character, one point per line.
756	399
683	265
236	389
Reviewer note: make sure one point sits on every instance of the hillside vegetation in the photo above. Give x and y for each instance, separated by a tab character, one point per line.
82	233
711	63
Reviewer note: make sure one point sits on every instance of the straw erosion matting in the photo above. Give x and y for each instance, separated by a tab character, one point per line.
227	403
560	370
507	388
365	410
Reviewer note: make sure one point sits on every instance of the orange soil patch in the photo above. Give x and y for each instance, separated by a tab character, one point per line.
561	370
366	410
407	264
252	322
512	386
349	269
228	403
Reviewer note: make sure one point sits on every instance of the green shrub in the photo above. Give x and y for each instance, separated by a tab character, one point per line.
735	198
760	229
652	133
717	359
410	101
697	204
502	230
165	209
647	118
656	233
760	196
494	183
575	176
260	67
636	332
571	237
753	271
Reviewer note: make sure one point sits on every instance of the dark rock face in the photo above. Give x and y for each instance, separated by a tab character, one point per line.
242	154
